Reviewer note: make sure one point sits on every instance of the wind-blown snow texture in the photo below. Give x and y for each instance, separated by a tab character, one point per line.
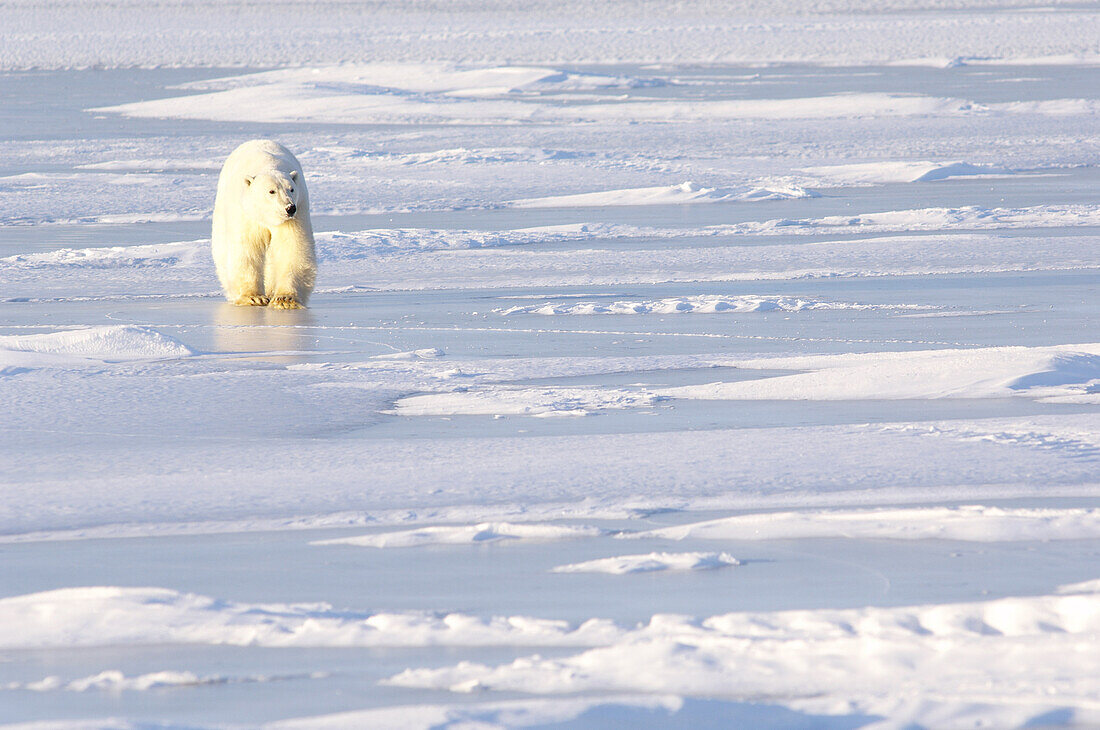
698	364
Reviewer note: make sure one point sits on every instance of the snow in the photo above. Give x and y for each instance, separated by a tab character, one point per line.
465	535
542	402
350	94
112	680
978	523
687	192
882	410
994	372
699	304
651	562
834	661
115	616
62	36
87	346
892	171
1089	586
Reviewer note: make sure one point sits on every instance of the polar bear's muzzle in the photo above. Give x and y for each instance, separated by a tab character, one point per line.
291	210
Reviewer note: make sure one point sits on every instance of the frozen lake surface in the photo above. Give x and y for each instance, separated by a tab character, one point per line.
636	393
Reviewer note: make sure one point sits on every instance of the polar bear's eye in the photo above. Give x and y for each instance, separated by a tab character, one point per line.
271	192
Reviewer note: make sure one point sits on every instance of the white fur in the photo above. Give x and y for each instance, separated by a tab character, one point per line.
261	253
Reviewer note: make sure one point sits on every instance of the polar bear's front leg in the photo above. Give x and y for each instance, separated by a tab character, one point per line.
291	267
244	276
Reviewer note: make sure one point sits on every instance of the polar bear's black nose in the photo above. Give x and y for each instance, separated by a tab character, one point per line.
291	209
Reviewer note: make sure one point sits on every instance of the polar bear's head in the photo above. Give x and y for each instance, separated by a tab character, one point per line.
272	198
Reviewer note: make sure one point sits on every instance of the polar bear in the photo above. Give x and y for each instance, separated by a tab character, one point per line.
262	239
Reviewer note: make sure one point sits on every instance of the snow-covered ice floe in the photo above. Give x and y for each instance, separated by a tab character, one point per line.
687	192
544	402
444	93
467	535
828	661
985	372
896	171
977	523
652	562
113	680
420	258
1069	373
925	666
116	616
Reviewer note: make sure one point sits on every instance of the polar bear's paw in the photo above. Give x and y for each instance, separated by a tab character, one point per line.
251	300
286	301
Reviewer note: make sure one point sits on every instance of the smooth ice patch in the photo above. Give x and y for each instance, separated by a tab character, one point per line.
467	535
114	616
687	192
542	402
976	523
652	562
699	304
492	715
984	372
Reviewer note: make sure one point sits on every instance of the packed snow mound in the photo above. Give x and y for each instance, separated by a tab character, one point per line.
113	680
652	562
426	353
976	523
901	172
699	304
114	616
112	257
502	400
985	372
467	535
687	192
837	661
113	343
1088	586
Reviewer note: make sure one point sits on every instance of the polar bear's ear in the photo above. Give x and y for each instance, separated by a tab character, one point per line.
294	176
248	180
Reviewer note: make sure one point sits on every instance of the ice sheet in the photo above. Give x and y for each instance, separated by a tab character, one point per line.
881	415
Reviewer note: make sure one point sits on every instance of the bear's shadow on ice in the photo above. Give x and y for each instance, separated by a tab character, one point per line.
285	335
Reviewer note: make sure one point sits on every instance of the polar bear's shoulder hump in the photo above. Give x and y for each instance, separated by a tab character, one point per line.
260	154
